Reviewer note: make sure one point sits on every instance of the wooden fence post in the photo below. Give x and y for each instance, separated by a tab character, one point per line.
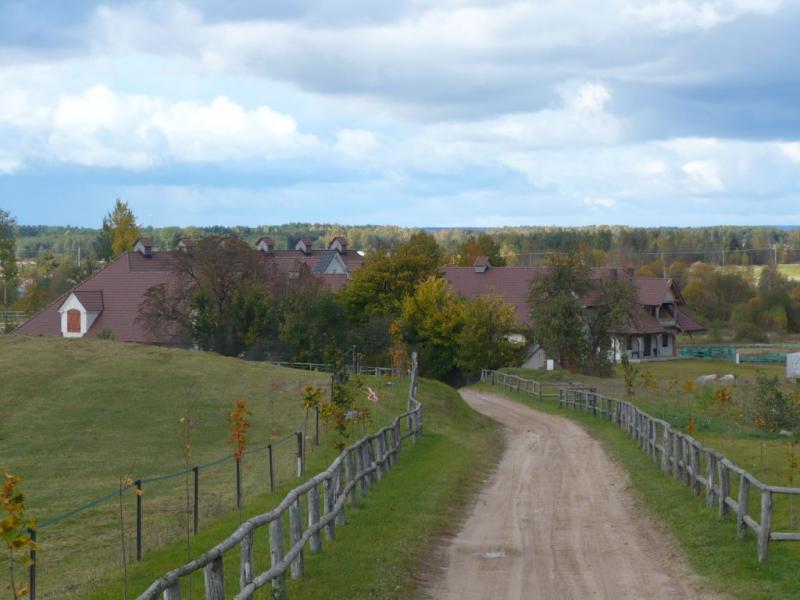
329	500
766	524
352	471
676	455
744	504
695	450
196	503
315	543
711	474
173	592
300	467
724	487
295	533
338	492
666	453
246	562
214	579
276	557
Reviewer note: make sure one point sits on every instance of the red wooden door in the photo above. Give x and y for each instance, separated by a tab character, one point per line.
73	321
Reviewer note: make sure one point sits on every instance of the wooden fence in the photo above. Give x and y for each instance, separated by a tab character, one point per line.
677	453
325	368
350	476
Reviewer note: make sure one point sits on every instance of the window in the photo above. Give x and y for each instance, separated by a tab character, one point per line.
73	321
665	340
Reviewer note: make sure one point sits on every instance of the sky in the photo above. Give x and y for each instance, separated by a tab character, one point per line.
410	112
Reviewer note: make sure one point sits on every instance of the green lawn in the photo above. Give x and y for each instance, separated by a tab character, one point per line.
729	565
78	414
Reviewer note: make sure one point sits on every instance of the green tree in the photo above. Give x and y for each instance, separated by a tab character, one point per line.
8	257
431	319
223	298
378	288
483	341
483	245
104	242
557	310
611	314
123	228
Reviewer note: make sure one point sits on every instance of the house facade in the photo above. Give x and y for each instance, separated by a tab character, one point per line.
650	335
109	300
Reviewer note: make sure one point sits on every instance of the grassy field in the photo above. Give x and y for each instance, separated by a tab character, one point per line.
724	563
77	415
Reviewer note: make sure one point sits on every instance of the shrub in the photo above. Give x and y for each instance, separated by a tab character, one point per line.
774	409
106	334
747	332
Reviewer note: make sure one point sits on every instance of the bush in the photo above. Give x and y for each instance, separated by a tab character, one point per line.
747	332
774	410
106	334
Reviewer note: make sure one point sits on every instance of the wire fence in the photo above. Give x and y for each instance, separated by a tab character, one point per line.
86	546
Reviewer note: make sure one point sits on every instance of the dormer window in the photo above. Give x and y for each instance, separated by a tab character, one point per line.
79	312
339	244
481	264
305	245
185	244
144	247
265	244
73	321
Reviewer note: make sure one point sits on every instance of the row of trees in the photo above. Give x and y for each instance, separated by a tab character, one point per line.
226	298
624	246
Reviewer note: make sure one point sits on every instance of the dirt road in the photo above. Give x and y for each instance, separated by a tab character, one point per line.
555	521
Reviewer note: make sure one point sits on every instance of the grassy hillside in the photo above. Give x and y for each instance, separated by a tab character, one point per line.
77	415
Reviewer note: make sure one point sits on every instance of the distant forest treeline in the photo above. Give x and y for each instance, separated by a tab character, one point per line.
634	246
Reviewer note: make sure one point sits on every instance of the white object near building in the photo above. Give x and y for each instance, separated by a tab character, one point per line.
793	366
551	365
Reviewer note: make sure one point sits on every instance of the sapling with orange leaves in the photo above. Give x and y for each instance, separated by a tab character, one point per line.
15	527
239	422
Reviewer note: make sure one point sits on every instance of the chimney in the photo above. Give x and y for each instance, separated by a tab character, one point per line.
265	244
144	247
481	264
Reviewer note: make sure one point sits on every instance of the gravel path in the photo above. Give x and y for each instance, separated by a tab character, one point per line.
555	520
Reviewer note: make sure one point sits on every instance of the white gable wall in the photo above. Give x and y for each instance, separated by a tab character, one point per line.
87	317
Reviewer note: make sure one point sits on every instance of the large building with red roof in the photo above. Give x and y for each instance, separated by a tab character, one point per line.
109	300
651	333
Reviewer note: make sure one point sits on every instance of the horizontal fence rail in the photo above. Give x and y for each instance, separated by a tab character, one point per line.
678	454
326	368
325	496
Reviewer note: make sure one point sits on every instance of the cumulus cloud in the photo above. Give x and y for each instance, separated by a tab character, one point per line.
704	173
100	127
792	152
355	143
600	202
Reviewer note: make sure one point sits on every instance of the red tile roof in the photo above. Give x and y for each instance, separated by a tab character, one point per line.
512	283
119	289
687	324
92	301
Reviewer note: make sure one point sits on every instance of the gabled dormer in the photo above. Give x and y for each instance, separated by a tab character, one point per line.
330	263
185	244
339	244
265	244
305	245
79	312
144	246
482	264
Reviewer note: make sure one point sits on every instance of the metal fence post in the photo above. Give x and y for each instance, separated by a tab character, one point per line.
196	471
138	484
238	462
271	469
299	436
32	568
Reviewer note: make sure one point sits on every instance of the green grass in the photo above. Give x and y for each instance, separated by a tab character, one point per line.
380	552
725	563
77	415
